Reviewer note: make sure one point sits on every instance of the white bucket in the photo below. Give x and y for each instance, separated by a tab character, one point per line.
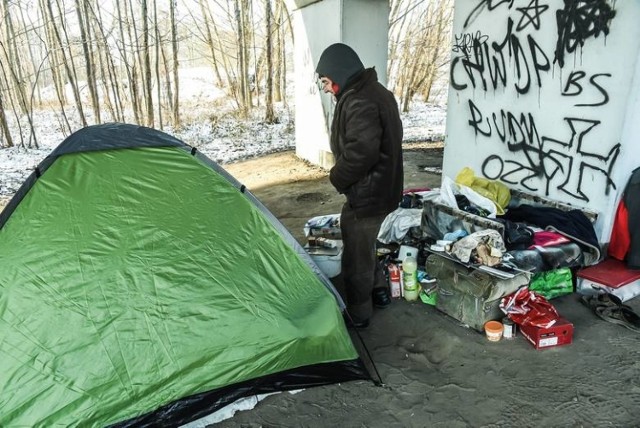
329	265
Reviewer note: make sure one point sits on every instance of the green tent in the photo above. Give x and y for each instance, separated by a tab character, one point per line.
141	285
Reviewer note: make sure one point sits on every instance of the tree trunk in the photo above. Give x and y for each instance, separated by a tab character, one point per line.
270	115
67	61
81	11
4	125
129	65
242	72
54	59
146	63
33	60
107	67
230	72
176	78
248	37
13	106
18	83
209	40
12	58
279	57
167	85
157	64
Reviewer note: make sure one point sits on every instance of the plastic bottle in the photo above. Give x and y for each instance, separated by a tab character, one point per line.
410	278
395	280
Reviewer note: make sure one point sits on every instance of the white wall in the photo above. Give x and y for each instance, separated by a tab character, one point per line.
315	28
570	132
365	27
361	24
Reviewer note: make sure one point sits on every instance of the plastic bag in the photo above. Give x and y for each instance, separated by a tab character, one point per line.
493	190
396	225
449	189
526	307
327	226
552	283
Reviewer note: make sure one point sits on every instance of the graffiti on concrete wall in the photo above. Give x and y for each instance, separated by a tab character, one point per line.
540	156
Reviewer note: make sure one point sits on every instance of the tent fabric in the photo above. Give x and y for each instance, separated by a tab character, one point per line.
139	286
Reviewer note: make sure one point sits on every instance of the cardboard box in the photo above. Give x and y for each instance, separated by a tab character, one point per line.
561	333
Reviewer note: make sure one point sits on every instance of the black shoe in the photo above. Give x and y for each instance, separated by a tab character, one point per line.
381	298
351	323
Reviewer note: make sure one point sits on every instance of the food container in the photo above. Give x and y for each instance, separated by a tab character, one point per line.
493	330
509	326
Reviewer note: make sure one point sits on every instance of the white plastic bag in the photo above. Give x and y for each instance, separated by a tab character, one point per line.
450	189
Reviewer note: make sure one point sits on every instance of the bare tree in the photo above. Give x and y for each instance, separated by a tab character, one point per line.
67	58
419	32
242	19
17	83
279	54
270	115
4	82
175	107
4	126
146	62
127	39
55	61
209	40
125	47
109	73
156	67
85	36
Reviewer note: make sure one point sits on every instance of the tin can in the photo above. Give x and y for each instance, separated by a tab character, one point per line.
509	328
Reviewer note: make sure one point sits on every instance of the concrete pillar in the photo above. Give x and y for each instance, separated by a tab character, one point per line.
361	24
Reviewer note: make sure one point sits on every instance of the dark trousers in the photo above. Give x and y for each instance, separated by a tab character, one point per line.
361	271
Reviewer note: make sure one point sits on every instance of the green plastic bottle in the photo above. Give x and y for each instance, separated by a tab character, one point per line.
410	278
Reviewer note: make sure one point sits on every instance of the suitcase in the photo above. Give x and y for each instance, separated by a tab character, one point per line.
469	295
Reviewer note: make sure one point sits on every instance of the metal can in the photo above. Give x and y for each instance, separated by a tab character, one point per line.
509	328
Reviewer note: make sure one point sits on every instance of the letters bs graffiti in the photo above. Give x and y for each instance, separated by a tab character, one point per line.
537	158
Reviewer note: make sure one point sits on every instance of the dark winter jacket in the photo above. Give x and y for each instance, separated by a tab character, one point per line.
366	141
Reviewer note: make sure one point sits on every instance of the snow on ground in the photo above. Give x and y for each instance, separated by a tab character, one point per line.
222	138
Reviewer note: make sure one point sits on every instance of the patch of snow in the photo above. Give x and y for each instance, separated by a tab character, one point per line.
221	136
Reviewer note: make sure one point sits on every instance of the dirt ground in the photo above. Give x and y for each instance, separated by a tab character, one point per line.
437	372
294	190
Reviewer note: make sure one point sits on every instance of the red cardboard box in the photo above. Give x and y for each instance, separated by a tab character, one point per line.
561	333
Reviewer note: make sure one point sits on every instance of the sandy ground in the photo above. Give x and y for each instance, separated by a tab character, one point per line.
437	372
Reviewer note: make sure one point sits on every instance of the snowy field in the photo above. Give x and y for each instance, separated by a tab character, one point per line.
220	136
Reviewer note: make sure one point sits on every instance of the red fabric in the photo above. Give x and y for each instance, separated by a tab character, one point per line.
620	240
548	238
335	88
415	190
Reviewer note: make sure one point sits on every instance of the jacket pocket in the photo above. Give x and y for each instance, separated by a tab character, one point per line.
359	195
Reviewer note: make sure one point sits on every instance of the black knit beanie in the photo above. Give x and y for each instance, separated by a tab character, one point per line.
339	63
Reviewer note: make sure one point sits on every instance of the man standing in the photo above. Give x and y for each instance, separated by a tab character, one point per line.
366	142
